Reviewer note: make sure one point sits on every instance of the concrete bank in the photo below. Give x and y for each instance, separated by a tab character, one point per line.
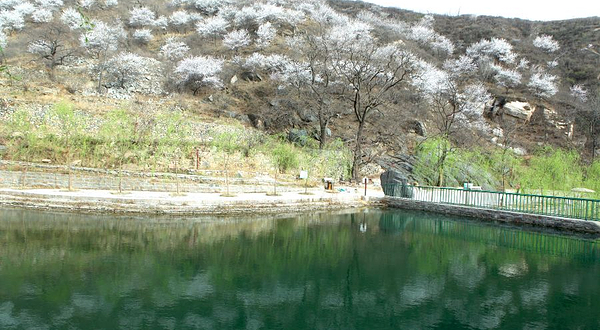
573	225
103	201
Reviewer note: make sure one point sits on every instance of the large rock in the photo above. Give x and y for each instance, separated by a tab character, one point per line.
395	184
251	76
520	110
298	136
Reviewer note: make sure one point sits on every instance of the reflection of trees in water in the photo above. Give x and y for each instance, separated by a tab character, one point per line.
319	271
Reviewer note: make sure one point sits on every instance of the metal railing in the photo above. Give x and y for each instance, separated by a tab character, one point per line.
567	207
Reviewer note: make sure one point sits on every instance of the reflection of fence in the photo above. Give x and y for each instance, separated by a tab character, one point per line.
461	231
568	207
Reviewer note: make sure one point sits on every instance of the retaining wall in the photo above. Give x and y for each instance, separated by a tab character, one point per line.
574	225
137	182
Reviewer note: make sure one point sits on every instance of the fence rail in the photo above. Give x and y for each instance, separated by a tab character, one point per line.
567	207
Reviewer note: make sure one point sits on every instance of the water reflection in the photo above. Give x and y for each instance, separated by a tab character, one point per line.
375	270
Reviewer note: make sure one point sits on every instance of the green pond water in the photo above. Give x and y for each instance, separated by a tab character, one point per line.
373	269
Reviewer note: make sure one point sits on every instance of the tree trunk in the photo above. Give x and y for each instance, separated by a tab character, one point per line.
441	163
593	136
121	176
69	170
357	152
323	123
227	174
322	136
177	176
275	184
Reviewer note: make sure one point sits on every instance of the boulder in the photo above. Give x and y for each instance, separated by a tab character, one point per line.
298	136
306	116
251	76
419	128
395	184
257	121
520	110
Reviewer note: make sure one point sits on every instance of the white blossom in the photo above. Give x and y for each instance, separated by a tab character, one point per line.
543	84
87	4
72	18
25	8
266	33
269	12
11	20
496	48
463	65
143	35
507	78
9	4
429	80
236	39
212	26
552	64
579	93
523	64
546	43
102	37
42	15
3	41
271	63
173	49
143	16
208	7
473	99
353	36
422	34
49	4
39	47
294	74
247	16
111	3
200	71
179	18
326	15
126	68
162	22
443	44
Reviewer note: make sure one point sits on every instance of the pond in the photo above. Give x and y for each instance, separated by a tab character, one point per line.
367	269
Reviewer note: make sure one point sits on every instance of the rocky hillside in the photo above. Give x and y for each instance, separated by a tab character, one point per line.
380	79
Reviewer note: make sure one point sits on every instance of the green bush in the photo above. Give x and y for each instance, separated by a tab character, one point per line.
553	171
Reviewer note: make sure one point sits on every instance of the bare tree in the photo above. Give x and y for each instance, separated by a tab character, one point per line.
315	79
53	45
454	98
370	73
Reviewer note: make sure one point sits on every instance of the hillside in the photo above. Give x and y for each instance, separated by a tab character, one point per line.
380	79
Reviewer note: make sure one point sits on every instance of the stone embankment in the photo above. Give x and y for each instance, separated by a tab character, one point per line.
563	224
33	175
103	201
42	186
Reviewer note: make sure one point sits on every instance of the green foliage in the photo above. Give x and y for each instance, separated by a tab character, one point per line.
554	170
284	156
333	161
228	140
64	135
436	158
117	131
173	131
592	178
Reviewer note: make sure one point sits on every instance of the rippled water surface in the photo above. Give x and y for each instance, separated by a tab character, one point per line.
364	270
